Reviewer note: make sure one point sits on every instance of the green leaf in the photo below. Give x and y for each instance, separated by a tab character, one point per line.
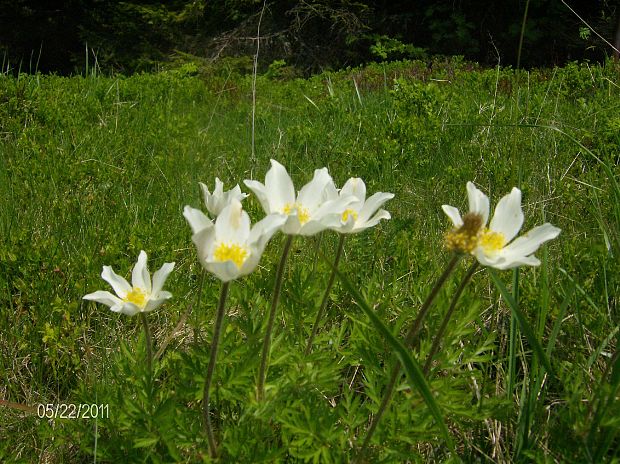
412	368
145	442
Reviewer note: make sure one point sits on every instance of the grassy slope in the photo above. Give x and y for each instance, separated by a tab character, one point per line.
95	169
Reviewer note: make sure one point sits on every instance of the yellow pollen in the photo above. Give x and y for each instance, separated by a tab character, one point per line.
288	208
492	241
230	252
302	213
136	296
465	238
349	212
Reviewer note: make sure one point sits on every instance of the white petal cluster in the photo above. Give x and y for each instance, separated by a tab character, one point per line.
230	247
495	246
308	212
138	297
218	200
362	213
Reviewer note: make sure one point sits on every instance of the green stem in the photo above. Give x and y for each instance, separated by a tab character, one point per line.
217	330
527	6
260	386
409	341
149	348
317	246
330	284
446	318
196	312
415	327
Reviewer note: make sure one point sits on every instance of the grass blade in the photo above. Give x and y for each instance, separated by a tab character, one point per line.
525	326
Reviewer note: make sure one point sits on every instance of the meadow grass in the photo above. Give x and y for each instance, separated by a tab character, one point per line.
94	169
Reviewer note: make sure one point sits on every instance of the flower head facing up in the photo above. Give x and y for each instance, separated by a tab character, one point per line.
230	248
141	295
361	213
494	245
218	200
308	213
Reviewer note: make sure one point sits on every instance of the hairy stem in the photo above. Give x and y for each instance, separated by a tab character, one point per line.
149	348
446	318
409	341
330	284
260	386
206	399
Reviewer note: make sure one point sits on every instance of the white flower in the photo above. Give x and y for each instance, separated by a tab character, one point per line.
360	214
307	213
138	297
228	248
494	246
218	200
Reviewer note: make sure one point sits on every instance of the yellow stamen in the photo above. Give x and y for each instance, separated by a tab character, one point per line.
231	252
136	296
349	212
302	213
288	208
465	238
491	241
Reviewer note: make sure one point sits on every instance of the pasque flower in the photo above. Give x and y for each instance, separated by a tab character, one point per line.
230	248
495	246
307	213
362	213
141	295
218	200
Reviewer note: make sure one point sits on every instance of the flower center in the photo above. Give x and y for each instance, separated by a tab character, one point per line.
231	252
302	213
136	296
465	238
349	212
492	242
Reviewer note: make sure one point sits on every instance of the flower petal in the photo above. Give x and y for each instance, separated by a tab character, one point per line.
129	309
530	242
159	278
478	202
381	214
223	270
355	187
197	219
204	241
331	207
155	303
279	187
312	227
291	225
233	224
103	297
264	229
219	199
508	217
140	277
314	192
261	193
453	214
371	205
118	283
521	261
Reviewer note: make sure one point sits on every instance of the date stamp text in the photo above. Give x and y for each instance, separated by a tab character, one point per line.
73	411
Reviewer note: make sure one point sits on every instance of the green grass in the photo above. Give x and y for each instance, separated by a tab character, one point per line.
94	169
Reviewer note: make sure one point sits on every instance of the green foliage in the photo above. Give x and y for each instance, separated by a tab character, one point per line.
95	168
389	48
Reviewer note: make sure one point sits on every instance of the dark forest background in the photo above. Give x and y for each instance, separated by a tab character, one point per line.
308	35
